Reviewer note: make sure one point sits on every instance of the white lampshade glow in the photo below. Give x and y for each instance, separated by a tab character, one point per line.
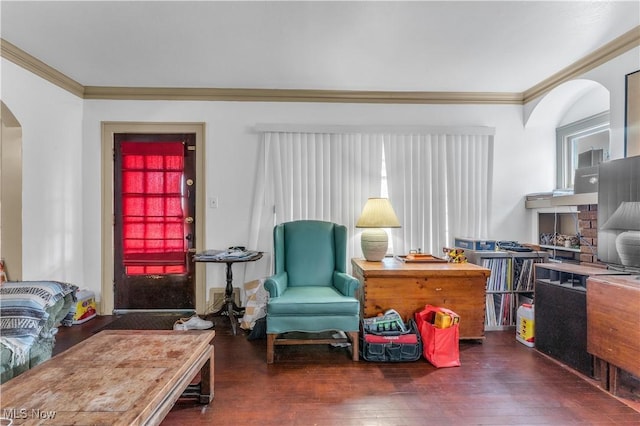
376	214
626	218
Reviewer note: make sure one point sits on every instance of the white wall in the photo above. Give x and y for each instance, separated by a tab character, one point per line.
595	101
52	204
61	137
232	150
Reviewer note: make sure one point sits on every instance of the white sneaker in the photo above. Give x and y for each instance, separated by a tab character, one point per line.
193	323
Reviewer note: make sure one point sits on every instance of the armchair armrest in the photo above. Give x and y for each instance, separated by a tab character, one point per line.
345	283
276	284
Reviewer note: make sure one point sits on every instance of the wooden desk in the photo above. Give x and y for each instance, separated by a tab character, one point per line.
408	287
116	377
613	326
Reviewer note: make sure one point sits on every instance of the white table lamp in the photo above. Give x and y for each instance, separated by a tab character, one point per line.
376	214
626	218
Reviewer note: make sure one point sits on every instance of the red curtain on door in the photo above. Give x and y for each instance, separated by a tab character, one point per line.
153	208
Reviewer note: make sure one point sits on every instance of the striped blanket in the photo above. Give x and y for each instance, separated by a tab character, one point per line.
24	312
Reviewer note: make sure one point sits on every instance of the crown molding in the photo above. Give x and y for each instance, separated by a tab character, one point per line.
39	68
34	65
620	45
293	95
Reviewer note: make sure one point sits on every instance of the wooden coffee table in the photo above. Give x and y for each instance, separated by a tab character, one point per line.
116	377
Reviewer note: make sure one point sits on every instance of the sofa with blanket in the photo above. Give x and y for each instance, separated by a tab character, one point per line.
30	313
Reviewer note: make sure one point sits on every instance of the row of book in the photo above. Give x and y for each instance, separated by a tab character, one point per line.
500	278
524	273
499	309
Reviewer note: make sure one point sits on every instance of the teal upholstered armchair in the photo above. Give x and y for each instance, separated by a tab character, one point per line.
311	291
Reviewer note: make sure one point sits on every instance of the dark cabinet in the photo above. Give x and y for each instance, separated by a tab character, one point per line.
561	313
561	325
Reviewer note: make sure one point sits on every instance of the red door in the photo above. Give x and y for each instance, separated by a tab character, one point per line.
154	223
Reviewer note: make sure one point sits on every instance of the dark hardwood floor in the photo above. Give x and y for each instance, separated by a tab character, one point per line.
500	382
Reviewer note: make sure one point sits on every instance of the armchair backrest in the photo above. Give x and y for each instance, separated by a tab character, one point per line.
310	251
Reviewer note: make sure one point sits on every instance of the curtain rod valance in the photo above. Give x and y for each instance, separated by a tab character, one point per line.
395	129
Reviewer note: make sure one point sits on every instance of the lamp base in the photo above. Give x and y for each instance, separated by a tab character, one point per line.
628	247
374	243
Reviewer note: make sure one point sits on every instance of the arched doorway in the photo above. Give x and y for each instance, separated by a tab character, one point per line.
11	193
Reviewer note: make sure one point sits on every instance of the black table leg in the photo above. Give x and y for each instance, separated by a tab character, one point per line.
229	307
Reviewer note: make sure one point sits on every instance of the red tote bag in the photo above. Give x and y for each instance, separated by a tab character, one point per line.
440	345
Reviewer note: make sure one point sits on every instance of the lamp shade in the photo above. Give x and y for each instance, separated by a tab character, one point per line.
378	213
625	218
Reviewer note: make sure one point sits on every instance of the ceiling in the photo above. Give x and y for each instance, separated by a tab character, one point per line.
479	46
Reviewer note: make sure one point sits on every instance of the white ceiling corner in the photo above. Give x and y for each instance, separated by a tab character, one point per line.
476	46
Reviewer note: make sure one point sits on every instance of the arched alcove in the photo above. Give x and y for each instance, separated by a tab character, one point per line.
587	96
573	111
11	193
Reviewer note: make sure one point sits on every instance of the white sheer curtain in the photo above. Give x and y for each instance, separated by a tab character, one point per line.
307	175
438	179
439	184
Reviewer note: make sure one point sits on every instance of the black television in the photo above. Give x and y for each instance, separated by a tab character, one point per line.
619	214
